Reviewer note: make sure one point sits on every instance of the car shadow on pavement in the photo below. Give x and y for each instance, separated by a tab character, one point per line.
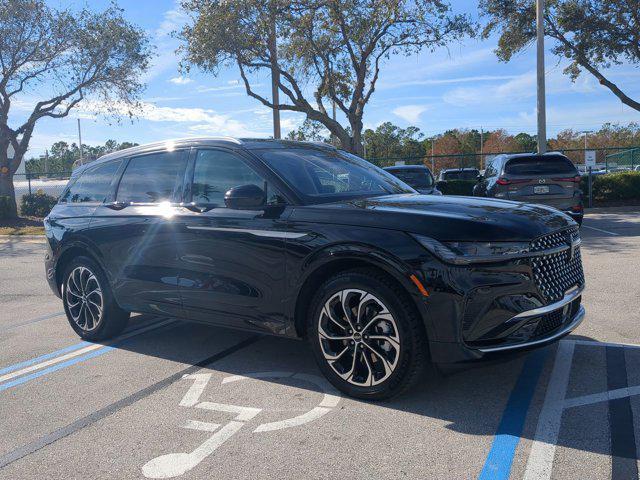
470	401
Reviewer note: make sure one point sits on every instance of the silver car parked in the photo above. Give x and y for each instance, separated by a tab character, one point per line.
550	179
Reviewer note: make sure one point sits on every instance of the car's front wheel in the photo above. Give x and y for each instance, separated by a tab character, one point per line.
88	301
366	335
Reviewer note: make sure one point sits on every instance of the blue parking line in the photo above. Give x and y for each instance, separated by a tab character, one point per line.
57	366
498	463
42	358
72	361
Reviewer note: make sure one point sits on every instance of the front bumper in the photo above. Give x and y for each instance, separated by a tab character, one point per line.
572	314
480	310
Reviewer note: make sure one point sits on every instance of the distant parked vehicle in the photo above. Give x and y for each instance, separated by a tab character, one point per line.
417	176
550	179
458	174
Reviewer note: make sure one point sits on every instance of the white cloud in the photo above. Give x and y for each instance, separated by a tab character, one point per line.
205	121
180	80
518	87
410	113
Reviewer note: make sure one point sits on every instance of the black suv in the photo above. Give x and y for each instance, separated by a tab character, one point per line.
307	241
550	179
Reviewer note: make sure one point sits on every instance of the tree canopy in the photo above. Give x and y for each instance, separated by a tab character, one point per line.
592	34
65	56
62	156
324	51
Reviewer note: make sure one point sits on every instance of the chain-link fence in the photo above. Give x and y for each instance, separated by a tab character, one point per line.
50	183
609	159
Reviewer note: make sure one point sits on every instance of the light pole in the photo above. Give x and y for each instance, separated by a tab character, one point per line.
433	161
542	115
586	132
275	74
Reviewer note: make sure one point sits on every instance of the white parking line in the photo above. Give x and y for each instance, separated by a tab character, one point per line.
596	343
543	448
601	397
600	230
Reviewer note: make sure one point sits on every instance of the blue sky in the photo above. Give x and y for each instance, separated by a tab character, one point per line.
462	86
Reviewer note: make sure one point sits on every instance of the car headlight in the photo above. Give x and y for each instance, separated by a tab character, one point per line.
462	253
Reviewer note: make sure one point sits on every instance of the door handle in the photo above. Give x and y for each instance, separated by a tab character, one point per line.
117	205
197	207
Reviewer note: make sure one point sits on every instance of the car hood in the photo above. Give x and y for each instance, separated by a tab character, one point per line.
445	218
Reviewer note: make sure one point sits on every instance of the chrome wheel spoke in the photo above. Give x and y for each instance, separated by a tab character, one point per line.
344	295
395	343
337	356
370	325
329	336
84	299
379	317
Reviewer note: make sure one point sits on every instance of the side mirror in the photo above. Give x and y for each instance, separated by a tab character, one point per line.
245	197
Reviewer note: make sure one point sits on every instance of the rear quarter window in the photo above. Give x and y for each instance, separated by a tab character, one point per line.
540	166
93	185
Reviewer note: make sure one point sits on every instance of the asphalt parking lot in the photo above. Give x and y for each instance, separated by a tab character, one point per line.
170	399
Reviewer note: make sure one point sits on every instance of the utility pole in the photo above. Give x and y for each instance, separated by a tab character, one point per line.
542	115
481	146
275	75
80	143
46	162
433	161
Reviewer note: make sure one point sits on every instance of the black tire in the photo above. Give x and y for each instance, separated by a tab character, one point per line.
99	324
409	365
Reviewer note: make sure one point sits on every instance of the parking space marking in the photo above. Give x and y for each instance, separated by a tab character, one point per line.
114	407
600	230
545	439
175	464
54	364
498	464
623	442
41	358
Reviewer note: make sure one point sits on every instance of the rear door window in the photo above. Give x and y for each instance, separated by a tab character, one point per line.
153	178
93	185
540	166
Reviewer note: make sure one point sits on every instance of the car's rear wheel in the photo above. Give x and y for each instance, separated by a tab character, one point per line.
88	301
366	335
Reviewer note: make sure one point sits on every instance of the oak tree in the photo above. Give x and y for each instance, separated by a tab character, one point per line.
56	58
592	34
324	52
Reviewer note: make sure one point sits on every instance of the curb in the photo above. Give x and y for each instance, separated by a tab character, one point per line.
22	237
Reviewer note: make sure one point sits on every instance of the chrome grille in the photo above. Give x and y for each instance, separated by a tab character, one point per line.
556	273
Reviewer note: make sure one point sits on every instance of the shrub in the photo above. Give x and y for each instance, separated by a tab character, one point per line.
6	210
37	204
456	187
613	187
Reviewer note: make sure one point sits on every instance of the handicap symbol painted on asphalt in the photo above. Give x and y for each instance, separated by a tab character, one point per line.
175	464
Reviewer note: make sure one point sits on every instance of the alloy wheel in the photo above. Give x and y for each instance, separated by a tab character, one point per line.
359	337
84	299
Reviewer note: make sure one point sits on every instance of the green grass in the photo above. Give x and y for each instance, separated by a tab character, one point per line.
21	226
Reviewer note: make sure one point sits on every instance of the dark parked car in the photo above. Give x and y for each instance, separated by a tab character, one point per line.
417	176
449	174
306	241
550	179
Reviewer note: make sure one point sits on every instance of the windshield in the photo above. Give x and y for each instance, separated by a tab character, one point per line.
540	166
418	178
325	175
461	175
